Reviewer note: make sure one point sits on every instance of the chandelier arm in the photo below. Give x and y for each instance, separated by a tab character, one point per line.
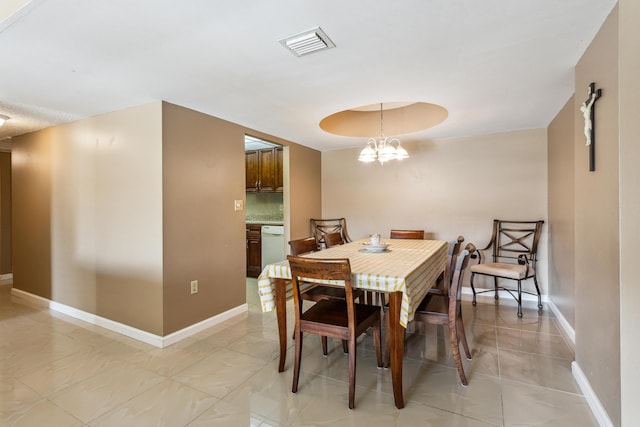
384	148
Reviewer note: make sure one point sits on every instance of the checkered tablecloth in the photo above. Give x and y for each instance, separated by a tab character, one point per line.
409	266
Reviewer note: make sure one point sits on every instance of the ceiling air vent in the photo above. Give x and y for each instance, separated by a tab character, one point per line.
307	42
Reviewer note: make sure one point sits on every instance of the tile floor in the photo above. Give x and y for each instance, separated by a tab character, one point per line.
57	371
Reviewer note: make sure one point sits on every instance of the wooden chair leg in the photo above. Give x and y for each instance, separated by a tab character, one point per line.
387	341
324	345
297	360
463	336
377	337
345	346
453	337
352	372
293	335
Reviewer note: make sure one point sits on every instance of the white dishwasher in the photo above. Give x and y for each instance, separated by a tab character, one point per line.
272	244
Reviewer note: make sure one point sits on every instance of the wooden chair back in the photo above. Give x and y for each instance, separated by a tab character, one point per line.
407	234
333	239
310	269
320	292
321	227
303	246
455	290
452	258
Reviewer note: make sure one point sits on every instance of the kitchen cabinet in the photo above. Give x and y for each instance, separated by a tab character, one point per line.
264	170
279	168
254	250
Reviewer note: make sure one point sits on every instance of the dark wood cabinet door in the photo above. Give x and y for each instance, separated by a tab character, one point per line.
279	169
254	250
264	170
267	170
252	165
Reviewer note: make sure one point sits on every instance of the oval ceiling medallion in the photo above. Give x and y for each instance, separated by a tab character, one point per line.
398	118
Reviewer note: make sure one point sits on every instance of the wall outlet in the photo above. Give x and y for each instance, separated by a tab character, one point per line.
194	287
238	205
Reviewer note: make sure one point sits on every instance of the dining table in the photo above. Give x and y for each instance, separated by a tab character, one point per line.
405	271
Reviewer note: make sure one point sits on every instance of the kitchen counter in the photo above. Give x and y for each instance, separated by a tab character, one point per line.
265	222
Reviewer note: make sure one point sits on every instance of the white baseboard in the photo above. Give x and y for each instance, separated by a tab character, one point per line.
567	330
205	324
130	331
592	399
8	276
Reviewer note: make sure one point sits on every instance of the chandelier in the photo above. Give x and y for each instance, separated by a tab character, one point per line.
382	149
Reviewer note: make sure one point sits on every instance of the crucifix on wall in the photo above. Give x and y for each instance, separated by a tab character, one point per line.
588	112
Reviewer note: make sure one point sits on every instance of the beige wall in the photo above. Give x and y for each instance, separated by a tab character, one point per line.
447	187
203	236
31	188
305	190
597	307
116	214
5	213
561	193
96	213
629	98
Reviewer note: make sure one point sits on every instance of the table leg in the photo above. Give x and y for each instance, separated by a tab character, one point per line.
396	333
281	314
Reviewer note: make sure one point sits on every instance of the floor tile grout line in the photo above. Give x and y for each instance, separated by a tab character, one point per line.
526	330
555	390
534	354
500	374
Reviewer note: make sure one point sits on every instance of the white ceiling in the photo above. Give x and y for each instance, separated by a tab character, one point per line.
496	65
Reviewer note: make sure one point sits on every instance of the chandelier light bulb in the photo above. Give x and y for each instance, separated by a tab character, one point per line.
382	149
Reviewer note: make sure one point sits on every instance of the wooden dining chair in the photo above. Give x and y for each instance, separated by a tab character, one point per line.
446	312
407	234
514	247
333	239
321	227
342	319
320	292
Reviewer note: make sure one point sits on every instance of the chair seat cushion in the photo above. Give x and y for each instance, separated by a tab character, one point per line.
501	269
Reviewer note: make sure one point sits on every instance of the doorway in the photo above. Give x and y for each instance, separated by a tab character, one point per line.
264	208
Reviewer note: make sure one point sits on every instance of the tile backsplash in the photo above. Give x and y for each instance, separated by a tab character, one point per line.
264	207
